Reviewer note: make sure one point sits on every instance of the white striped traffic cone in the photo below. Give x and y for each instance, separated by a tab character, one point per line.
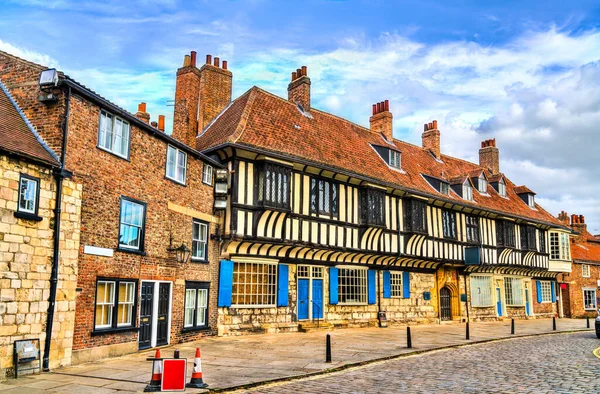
156	374
196	381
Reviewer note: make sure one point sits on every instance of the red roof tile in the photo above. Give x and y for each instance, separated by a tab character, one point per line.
523	189
586	249
262	120
17	135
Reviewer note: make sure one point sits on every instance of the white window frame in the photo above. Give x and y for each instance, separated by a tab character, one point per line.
128	304
30	195
444	188
109	303
264	292
502	187
467	191
174	170
481	291
560	248
123	224
593	306
199	240
546	290
201	307
104	133
531	200
585	270
514	295
482	183
358	289
207	174
195	308
395	159
189	308
396	284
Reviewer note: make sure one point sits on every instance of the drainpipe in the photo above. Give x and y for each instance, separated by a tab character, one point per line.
467	294
59	175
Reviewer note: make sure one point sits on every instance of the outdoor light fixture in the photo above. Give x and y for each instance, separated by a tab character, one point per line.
221	188
217	235
222	174
48	78
182	253
220	203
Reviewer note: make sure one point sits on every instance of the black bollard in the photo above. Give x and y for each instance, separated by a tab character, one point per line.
512	326
408	338
328	350
553	323
587	318
176	354
468	336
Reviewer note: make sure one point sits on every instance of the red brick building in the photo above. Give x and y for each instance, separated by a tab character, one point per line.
580	288
144	194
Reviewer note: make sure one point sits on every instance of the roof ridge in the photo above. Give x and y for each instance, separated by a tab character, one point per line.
245	114
29	125
40	66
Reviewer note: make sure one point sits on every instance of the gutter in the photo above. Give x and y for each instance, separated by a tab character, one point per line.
59	176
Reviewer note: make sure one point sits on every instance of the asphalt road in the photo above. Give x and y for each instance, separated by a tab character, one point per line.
546	364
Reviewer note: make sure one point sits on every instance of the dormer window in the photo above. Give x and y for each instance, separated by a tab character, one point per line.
502	188
467	191
482	184
531	200
444	188
526	195
394	158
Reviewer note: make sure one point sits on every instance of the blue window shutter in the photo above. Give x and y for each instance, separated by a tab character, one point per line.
333	286
225	283
406	284
387	285
553	288
282	285
372	283
539	291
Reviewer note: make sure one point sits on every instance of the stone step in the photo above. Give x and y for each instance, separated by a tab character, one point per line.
314	326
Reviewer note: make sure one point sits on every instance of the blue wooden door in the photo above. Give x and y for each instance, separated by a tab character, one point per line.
499	302
527	311
317	295
302	299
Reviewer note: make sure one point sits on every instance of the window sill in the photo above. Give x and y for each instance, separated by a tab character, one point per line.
199	261
113	153
28	216
118	330
132	251
195	329
175	181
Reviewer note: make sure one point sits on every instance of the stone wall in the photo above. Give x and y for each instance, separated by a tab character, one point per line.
26	252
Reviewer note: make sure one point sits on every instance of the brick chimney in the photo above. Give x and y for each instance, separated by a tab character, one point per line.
299	88
381	121
578	225
200	95
431	138
142	114
564	218
489	156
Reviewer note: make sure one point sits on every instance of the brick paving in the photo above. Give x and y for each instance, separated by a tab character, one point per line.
229	362
542	364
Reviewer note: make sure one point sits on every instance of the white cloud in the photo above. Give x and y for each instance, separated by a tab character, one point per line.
32	56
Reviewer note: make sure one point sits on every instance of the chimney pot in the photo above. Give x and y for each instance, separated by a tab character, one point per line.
581	219
430	125
216	62
208	59
425	127
142	107
303	70
161	122
387	105
374	109
186	61
378	107
298	72
294	75
574	219
435	124
154	124
224	64
193	59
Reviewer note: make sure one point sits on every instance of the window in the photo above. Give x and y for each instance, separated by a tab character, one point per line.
589	299
352	286
502	188
505	233
396	284
176	164
542	234
199	243
467	192
254	284
585	270
472	229
546	287
513	289
372	207
394	158
415	216
449	224
482	183
196	305
444	188
207	174
29	188
481	291
528	238
531	200
323	197
273	185
559	246
113	134
115	303
131	230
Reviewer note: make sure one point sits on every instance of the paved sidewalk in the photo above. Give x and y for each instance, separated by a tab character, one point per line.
234	361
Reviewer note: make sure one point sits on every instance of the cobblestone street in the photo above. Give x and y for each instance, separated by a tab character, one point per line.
545	364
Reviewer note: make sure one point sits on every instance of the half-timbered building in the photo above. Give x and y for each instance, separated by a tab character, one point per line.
330	220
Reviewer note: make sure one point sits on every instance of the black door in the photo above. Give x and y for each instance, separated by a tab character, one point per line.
162	328
445	304
146	315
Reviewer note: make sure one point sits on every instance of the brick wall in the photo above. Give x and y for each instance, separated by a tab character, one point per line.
26	252
577	283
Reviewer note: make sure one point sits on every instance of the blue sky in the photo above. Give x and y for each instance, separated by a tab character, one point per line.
524	72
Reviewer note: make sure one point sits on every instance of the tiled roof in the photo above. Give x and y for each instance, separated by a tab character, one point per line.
262	120
17	135
523	189
586	249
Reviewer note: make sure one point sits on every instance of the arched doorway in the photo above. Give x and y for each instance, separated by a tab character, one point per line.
446	303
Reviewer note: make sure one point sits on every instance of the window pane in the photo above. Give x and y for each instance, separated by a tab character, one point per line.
28	195
202	304
125	307
254	284
104	303
171	152
190	306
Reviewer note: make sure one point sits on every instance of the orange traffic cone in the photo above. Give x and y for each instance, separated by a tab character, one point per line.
156	374
196	381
